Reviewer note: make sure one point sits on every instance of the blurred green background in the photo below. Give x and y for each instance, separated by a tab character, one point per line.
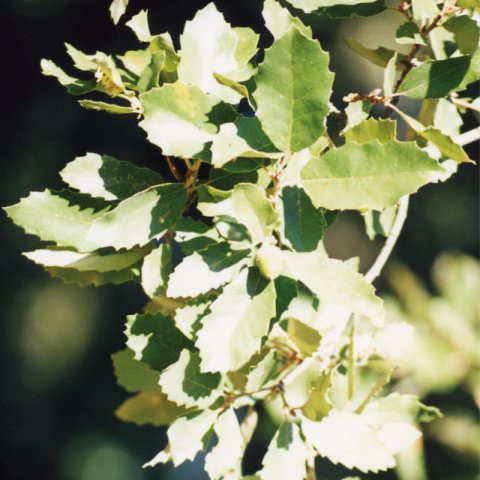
58	392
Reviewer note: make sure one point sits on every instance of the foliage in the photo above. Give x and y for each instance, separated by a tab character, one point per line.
256	310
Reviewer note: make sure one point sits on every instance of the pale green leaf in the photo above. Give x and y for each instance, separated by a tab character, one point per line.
85	262
447	147
380	56
424	9
225	459
247	205
149	409
141	218
155	340
156	269
466	32
104	176
335	282
409	33
367	176
235	86
303	224
371	130
177	118
139	25
185	384
187	436
346	438
133	375
437	78
61	217
107	107
286	456
117	9
312	5
446	118
293	89
81	60
206	269
136	61
389	76
73	85
240	316
222	50
278	20
299	382
399	408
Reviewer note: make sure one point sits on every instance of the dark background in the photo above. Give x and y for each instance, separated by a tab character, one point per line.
58	392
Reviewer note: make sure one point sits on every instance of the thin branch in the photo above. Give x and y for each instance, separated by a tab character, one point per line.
468	137
387	249
173	169
376	388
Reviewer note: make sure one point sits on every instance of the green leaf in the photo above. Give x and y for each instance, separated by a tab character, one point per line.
264	373
335	282
349	439
303	224
73	85
187	436
155	339
222	49
207	269
444	143
188	317
409	33
318	404
466	31
85	262
305	338
225	459
132	375
185	384
107	107
278	20
247	205
240	316
149	409
424	9
379	222
367	176
293	89
104	176
359	10
228	145
61	217
437	78
286	456
156	269
139	219
117	9
447	118
177	118
309	6
380	56
371	130
139	25
93	277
